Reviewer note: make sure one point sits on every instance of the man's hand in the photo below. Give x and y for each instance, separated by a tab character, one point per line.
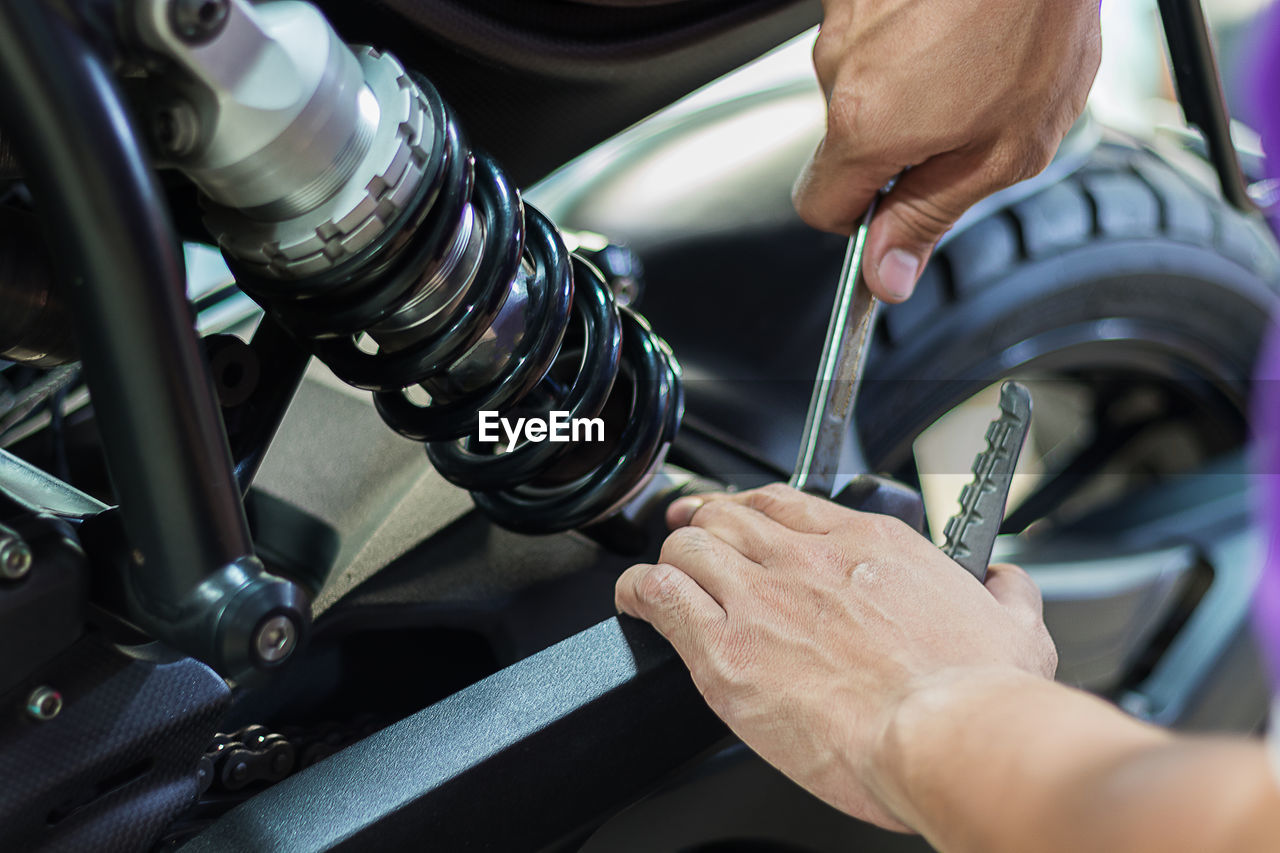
972	95
806	626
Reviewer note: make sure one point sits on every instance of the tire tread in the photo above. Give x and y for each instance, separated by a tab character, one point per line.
1125	192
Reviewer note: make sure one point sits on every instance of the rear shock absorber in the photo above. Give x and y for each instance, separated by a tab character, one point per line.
350	206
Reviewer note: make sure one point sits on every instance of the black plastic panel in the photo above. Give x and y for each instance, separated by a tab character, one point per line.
532	756
538	82
118	763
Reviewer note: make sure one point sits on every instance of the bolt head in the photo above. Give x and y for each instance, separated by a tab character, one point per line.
275	639
44	703
198	21
175	128
15	559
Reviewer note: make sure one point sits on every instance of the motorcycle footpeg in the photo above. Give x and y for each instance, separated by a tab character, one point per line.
971	533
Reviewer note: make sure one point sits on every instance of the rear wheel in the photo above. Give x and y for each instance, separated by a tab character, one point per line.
1125	270
1133	303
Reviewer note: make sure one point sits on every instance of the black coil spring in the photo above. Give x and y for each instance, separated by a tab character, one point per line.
625	370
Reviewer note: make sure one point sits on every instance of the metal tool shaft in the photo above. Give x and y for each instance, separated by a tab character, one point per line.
840	372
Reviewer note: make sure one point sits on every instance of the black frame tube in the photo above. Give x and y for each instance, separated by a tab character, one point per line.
192	580
1199	88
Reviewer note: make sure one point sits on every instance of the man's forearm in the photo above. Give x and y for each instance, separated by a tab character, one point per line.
1005	762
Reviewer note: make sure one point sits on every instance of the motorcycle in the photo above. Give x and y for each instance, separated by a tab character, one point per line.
242	609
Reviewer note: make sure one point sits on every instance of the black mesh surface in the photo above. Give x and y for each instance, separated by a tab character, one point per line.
118	763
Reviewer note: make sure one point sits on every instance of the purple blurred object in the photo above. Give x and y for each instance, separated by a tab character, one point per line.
1266	406
1266	430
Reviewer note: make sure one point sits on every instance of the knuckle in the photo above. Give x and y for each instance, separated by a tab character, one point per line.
1023	158
802	199
882	527
1037	157
1035	599
709	513
779	491
827	53
814	214
768	497
886	526
845	111
922	220
862	130
684	543
1049	657
659	585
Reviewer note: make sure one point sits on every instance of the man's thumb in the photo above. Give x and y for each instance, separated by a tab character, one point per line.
924	203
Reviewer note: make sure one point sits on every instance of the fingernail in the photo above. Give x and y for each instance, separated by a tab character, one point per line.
680	513
898	270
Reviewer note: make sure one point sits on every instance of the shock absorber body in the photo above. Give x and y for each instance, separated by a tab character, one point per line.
350	206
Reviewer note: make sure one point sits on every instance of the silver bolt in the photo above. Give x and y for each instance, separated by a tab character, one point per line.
275	639
176	128
44	703
15	558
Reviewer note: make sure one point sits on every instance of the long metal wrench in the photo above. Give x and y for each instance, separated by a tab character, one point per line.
844	355
971	533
